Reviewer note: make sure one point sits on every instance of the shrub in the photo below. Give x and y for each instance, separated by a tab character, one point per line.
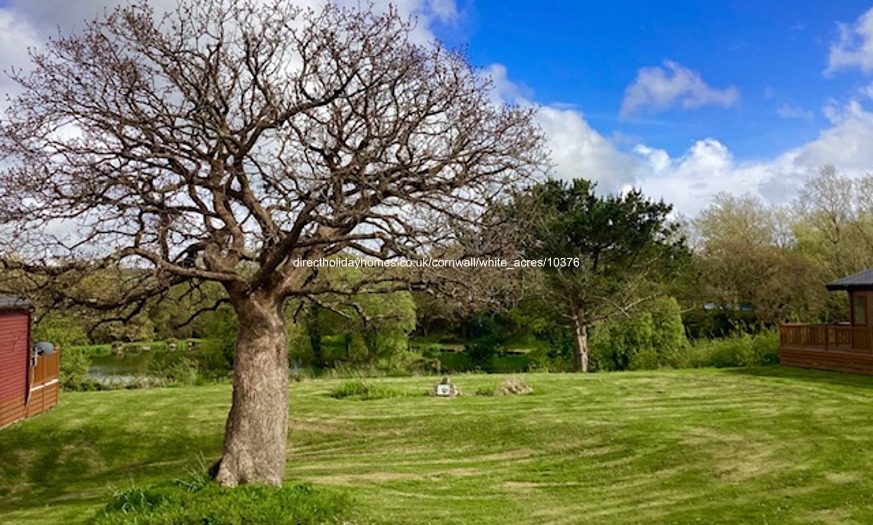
650	338
732	351
486	391
364	391
454	362
182	372
207	503
555	353
739	349
432	351
173	369
765	347
406	363
481	354
74	367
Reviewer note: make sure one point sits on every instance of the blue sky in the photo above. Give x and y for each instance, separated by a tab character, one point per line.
772	90
585	54
684	99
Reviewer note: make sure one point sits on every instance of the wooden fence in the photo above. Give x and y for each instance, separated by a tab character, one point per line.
838	347
41	394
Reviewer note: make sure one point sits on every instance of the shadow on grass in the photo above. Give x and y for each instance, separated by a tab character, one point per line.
41	465
803	374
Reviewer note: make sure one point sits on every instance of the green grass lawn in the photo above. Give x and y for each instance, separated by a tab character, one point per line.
669	447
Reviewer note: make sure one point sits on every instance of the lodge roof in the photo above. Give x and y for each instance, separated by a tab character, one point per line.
858	281
7	302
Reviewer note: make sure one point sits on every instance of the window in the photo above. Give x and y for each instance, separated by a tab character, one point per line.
859	310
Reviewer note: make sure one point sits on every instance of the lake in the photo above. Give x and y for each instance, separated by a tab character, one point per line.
120	368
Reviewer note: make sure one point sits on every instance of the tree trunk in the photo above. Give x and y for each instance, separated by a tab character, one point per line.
580	341
256	433
314	327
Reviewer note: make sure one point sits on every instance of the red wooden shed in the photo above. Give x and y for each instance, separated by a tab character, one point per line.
28	382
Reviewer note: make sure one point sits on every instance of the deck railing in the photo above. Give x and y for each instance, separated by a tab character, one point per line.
828	337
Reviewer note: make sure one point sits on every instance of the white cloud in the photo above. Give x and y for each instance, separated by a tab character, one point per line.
579	151
790	111
443	10
690	180
708	167
44	17
846	144
854	48
29	23
660	88
504	89
15	37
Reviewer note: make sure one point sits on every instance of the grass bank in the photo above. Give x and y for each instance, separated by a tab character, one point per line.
771	445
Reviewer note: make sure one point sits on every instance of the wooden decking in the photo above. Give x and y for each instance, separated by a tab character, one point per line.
837	347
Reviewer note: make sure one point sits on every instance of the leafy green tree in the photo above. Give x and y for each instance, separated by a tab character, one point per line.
747	260
378	323
651	337
606	254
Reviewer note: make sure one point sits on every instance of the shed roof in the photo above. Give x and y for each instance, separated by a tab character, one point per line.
7	302
859	281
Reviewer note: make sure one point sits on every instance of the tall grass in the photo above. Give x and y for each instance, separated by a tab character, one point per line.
208	503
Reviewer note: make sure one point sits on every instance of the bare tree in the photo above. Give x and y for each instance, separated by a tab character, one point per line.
228	139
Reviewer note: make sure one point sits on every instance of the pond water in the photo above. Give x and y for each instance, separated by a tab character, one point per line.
120	368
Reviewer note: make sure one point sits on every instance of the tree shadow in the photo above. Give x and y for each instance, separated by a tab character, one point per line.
805	374
41	465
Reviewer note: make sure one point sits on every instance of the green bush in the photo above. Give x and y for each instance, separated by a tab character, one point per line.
732	351
481	354
406	363
454	362
765	347
184	503
652	337
364	391
74	366
182	372
173	369
486	391
555	351
739	349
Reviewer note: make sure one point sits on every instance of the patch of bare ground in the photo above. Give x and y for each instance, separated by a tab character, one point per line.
844	478
736	458
317	426
830	517
516	456
384	477
530	485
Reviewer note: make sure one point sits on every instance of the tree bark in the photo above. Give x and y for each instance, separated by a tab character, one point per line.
256	434
314	327
580	341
